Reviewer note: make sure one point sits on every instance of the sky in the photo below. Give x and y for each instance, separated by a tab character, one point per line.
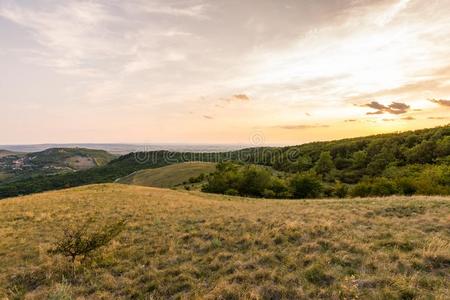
197	71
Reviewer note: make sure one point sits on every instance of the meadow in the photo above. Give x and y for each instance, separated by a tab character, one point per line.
169	176
190	245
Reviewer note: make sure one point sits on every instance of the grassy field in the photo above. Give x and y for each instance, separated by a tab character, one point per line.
190	245
169	176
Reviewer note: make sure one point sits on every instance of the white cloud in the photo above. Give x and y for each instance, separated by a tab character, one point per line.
91	38
71	35
357	54
318	56
195	11
392	12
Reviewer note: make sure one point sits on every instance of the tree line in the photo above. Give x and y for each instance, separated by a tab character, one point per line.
414	162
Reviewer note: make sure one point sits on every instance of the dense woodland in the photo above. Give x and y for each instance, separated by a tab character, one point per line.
415	162
406	164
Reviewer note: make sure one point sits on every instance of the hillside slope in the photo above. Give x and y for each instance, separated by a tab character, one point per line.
408	155
193	245
4	153
52	161
168	176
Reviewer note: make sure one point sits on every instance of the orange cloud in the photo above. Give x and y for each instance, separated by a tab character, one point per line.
441	102
437	118
395	108
242	97
302	126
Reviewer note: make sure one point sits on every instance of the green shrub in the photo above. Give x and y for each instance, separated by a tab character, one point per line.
197	179
280	188
325	165
406	186
434	180
377	187
304	163
382	187
340	190
362	189
231	192
254	181
81	241
328	190
305	186
269	194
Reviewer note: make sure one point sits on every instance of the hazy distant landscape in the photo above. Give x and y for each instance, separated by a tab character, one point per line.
408	163
121	149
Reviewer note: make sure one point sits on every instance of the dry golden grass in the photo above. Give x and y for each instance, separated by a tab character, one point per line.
195	246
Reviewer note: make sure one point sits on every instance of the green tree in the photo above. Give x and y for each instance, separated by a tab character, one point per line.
306	186
443	147
304	163
406	186
360	159
362	189
280	188
340	190
380	161
342	163
325	164
383	187
254	181
422	153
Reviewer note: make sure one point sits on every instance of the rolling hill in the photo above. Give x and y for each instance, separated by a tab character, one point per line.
168	176
18	166
4	153
417	161
189	245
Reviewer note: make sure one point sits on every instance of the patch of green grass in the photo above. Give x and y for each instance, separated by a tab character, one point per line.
169	176
399	211
316	275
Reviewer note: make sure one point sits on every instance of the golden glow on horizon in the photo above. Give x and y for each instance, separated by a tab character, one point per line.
204	72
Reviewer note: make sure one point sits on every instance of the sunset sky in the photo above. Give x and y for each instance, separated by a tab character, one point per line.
285	72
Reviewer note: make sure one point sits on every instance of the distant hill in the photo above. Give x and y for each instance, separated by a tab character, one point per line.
18	166
122	149
168	176
4	153
420	158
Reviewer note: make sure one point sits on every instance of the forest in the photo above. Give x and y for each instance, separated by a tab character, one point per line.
408	163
